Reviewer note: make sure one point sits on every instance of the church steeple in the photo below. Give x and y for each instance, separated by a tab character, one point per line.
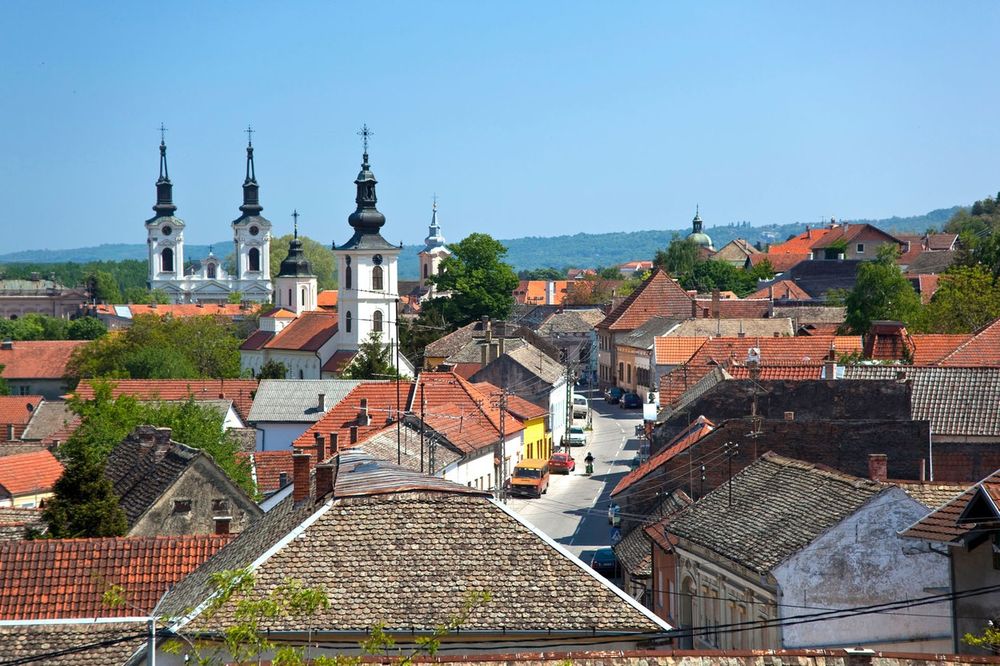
164	188
251	196
366	219
434	238
295	263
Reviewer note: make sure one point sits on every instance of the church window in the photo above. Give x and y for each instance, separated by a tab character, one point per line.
253	258
347	273
290	301
347	321
303	296
377	278
254	231
302	375
426	272
377	321
167	260
211	271
167	230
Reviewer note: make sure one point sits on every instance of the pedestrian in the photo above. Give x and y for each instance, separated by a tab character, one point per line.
590	462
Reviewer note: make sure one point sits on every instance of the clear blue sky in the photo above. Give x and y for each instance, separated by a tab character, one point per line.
526	118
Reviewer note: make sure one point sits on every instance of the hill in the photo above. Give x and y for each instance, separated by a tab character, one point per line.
577	250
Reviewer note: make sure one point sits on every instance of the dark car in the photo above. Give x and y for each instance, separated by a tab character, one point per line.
603	561
562	463
613	395
631	401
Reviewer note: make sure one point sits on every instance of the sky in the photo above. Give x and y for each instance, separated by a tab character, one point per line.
525	118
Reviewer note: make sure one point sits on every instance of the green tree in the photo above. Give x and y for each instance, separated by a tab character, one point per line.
609	273
547	273
967	299
415	335
84	504
762	271
4	386
273	370
679	258
881	292
709	275
373	361
103	287
143	296
320	257
479	281
86	328
234	298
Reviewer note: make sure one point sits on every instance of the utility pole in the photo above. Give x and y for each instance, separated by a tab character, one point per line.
731	450
501	449
423	407
399	422
569	402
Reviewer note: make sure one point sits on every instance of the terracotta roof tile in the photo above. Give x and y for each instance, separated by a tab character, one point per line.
737	308
66	578
467	416
268	467
536	292
193	310
29	473
930	348
517	406
781	262
240	391
802	243
782	290
672	350
257	340
327	298
17	410
698	429
308	332
982	349
659	295
381	397
37	359
340	360
778	372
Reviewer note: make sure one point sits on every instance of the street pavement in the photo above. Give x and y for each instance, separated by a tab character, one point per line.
574	512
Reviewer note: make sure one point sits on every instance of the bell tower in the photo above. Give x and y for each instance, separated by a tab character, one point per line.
295	288
165	234
368	292
252	238
433	254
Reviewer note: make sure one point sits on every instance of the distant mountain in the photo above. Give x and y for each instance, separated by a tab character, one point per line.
577	250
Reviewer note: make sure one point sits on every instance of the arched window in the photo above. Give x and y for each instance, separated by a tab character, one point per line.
167	260
377	278
347	321
211	271
347	273
377	321
303	296
302	375
254	258
290	302
426	271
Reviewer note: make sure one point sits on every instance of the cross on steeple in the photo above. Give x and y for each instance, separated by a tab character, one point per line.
163	133
435	201
295	216
364	133
249	131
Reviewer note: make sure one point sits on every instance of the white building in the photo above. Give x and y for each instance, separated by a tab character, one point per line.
431	256
207	281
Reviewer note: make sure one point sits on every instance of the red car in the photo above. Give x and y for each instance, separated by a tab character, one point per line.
561	462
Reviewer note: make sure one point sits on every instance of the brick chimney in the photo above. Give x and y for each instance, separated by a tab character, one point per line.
363	418
829	369
325	476
222	525
354	434
333	443
10	432
322	402
715	303
300	477
694	307
320	447
878	466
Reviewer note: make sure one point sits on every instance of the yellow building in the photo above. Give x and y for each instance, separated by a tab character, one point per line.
537	436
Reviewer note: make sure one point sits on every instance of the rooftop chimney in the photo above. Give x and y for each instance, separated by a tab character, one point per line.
320	448
282	480
300	477
333	443
878	467
322	402
10	432
789	416
7	344
354	434
715	303
325	474
830	369
694	307
363	418
222	525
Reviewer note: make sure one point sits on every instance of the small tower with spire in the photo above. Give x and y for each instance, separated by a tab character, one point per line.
252	237
295	287
165	233
368	292
433	253
699	237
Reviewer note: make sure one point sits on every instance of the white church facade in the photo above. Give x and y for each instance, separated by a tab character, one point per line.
206	280
315	344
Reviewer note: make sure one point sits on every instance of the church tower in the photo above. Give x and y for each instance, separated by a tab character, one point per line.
368	292
433	254
252	238
165	234
295	288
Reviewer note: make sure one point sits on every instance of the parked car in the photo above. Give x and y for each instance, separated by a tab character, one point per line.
577	436
580	405
603	561
530	478
562	463
631	401
614	395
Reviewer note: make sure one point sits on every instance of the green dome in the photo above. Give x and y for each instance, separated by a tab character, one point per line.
701	239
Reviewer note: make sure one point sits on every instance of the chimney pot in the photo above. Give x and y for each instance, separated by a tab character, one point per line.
320	448
789	416
878	466
322	402
10	432
324	480
363	412
222	525
830	370
694	308
300	477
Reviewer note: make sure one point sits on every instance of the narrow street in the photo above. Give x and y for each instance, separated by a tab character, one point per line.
574	512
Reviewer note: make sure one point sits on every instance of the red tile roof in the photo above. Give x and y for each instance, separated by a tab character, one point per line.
517	406
801	244
240	391
535	292
37	359
782	289
327	298
848	232
467	416
17	409
268	466
659	296
930	348
781	262
28	473
670	350
192	310
682	442
257	340
466	370
941	242
47	579
942	523
737	308
309	332
381	398
926	285
982	349
339	361
778	372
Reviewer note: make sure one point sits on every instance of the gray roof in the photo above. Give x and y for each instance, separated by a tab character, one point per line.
368	241
729	328
49	418
105	643
812	314
635	550
297	400
956	401
642	337
715	376
932	262
538	363
472	351
380	547
571	321
383	446
779	506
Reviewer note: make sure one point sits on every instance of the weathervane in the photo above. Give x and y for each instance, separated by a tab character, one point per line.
364	133
249	131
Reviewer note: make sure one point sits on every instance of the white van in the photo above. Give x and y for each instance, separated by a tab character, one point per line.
580	405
